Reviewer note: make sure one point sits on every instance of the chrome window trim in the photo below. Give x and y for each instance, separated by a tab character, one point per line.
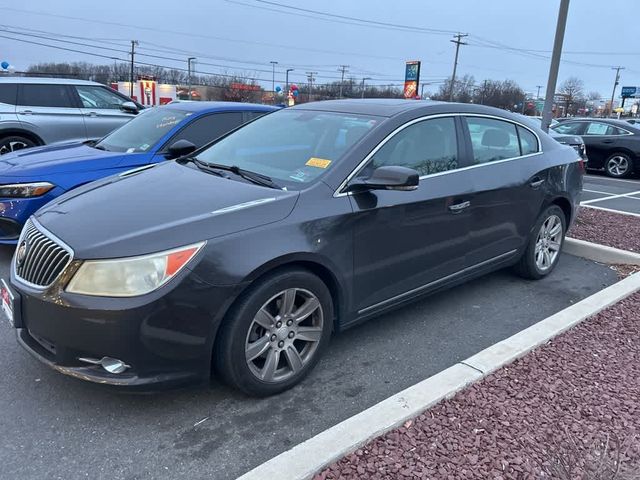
51	236
339	193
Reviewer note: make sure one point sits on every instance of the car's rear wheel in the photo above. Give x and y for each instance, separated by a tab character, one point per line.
543	248
275	335
14	143
619	165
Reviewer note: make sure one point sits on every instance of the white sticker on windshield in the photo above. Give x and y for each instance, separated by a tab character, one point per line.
131	150
144	146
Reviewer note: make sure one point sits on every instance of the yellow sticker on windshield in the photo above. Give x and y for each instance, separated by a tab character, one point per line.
318	162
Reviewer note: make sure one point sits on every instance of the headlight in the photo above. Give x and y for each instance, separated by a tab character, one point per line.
25	190
130	277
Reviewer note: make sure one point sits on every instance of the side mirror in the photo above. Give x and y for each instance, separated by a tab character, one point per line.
387	178
129	107
180	148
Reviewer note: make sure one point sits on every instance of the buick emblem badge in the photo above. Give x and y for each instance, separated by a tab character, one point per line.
21	253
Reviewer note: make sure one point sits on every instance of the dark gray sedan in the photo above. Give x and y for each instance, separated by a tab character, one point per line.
243	258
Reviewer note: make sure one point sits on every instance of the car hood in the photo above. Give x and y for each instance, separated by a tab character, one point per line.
57	158
162	207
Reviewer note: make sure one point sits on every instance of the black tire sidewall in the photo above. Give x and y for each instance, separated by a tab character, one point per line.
629	163
229	356
17	138
530	253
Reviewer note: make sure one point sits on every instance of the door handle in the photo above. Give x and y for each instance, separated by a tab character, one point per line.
459	207
536	182
91	114
607	141
26	112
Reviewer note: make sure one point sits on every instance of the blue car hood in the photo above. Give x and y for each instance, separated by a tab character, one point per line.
58	158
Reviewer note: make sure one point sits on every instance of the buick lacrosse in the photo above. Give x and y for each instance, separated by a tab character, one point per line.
241	259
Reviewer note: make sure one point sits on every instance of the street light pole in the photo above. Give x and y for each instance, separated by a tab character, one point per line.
555	64
363	79
273	75
615	84
189	60
286	87
538	94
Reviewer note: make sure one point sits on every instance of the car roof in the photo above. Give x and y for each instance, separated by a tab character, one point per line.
611	121
46	80
196	107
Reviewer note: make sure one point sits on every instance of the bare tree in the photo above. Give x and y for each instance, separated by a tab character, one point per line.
573	91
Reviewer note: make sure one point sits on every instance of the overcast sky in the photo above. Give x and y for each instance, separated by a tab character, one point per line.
229	32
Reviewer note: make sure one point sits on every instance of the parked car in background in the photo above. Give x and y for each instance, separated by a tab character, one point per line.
612	145
247	254
31	178
39	111
574	141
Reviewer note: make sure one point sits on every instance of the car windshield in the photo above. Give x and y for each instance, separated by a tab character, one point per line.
143	132
291	146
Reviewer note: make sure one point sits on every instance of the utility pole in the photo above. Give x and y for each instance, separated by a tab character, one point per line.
538	94
273	76
189	60
363	79
286	88
615	84
555	64
458	41
133	53
343	69
310	77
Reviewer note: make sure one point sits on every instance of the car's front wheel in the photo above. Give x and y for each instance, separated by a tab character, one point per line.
543	247
619	165
14	143
275	334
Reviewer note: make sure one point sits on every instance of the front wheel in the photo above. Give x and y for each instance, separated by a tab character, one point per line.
619	165
14	143
275	334
543	248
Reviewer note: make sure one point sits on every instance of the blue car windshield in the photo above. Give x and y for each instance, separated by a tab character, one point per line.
143	132
290	146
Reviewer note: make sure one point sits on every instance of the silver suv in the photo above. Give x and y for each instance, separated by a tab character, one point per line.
39	111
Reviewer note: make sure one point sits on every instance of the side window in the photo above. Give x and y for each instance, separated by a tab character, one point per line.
492	140
428	147
528	141
248	116
99	97
41	95
8	93
615	131
570	128
205	129
596	128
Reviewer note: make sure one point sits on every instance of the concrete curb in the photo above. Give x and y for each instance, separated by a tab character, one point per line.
599	253
306	459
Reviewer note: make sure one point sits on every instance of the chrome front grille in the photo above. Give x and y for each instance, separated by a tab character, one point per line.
39	260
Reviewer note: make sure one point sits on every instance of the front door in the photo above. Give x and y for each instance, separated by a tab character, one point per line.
101	108
601	140
407	241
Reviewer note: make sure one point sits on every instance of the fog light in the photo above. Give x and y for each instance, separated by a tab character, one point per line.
111	365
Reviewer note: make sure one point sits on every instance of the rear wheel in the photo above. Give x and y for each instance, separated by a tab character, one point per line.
14	143
543	248
276	333
619	165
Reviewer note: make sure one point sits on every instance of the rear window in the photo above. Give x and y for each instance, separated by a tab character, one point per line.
41	95
8	93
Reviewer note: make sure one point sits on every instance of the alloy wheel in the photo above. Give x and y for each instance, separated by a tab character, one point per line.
284	335
9	147
617	166
548	243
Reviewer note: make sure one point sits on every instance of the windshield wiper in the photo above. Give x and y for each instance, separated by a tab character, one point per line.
99	147
253	177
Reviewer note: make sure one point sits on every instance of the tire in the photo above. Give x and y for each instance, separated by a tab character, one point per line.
618	165
13	143
262	349
534	264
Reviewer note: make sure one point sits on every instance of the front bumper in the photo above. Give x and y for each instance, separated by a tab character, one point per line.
14	212
166	337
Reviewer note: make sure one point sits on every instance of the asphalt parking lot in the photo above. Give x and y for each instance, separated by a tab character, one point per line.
56	427
621	195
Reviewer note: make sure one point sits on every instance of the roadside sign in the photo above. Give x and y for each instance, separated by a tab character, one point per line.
630	92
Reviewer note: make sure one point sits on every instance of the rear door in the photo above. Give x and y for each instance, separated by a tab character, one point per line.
509	188
601	140
50	111
102	109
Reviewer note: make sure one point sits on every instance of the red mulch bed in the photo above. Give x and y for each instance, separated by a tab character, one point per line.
573	403
606	228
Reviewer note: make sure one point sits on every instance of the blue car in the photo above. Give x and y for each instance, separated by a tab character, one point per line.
33	177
